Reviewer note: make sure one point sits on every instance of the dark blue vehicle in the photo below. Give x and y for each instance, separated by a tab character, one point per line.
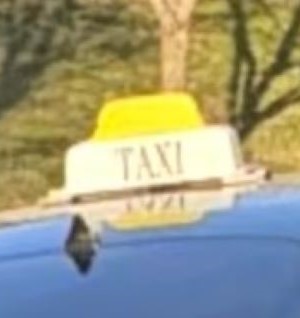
241	262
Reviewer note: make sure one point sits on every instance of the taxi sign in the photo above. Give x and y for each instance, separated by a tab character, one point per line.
147	115
154	141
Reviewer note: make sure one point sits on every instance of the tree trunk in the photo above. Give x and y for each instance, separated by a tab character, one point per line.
174	17
174	47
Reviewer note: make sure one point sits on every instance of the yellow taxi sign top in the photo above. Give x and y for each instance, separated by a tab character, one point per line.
151	220
147	115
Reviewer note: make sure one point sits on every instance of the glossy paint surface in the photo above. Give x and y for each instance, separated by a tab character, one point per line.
240	262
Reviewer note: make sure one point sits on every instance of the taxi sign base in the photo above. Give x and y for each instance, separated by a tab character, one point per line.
173	159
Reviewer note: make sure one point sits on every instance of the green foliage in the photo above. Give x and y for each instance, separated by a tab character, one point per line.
94	54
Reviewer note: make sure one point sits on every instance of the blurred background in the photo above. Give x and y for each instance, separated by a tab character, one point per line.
60	60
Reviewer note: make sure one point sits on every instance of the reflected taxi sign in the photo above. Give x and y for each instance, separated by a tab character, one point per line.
140	220
153	141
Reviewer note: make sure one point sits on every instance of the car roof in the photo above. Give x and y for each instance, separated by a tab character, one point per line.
238	261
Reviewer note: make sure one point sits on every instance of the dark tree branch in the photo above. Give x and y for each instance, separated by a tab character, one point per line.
289	98
281	60
248	86
241	32
244	57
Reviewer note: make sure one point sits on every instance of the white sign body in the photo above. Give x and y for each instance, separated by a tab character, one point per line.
168	159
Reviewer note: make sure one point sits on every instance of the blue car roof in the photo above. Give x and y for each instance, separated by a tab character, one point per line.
242	261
